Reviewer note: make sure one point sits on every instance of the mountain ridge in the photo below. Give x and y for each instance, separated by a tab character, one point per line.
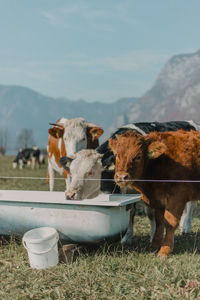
175	94
24	108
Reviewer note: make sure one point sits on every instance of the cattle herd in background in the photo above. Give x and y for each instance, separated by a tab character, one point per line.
129	161
32	157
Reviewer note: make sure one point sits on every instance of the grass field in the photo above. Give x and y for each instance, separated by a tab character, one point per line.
107	272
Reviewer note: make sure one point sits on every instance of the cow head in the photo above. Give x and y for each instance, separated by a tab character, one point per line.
76	134
85	171
133	153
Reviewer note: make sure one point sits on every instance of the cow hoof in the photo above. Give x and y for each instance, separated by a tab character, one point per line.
164	251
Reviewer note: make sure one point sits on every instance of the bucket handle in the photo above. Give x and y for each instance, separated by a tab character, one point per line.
41	252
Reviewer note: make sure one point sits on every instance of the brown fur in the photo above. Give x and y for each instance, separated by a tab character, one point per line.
166	156
93	134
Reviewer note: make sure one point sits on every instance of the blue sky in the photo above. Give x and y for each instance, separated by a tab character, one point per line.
97	50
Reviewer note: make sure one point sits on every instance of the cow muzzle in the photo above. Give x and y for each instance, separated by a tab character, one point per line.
121	177
71	196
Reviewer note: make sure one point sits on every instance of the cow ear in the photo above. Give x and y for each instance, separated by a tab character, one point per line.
155	149
65	162
56	132
95	132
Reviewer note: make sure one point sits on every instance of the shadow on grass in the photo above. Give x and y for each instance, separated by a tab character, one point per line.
187	243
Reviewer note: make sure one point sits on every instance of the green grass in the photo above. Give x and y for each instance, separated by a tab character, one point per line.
109	271
6	170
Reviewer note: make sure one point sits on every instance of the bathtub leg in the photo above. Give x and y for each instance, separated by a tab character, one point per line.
128	237
69	253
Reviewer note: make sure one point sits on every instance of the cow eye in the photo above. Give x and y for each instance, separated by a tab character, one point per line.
90	174
138	157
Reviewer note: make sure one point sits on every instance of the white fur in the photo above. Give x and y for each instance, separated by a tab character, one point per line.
195	125
86	165
132	126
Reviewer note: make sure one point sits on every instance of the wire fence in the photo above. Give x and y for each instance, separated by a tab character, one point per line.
101	179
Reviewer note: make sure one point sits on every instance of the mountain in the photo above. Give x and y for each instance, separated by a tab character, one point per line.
23	108
174	96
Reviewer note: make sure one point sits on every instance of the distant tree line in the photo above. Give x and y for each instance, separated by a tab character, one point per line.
25	139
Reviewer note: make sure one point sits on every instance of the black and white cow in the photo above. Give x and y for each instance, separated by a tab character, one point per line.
27	156
91	168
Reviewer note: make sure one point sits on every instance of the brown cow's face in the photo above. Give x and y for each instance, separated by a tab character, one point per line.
130	151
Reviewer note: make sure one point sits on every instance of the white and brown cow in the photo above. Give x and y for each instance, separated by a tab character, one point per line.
67	137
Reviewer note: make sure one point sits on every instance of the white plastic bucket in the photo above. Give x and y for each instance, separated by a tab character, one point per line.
42	247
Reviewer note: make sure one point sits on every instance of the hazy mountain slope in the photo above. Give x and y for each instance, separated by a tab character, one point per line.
175	94
24	108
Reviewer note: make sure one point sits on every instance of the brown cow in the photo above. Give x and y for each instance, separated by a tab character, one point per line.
66	137
141	161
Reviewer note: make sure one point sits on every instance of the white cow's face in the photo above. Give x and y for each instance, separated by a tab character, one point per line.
75	136
85	171
75	139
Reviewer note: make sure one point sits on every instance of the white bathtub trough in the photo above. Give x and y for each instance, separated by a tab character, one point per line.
86	221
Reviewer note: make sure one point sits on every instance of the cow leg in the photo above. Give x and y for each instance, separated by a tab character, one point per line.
14	165
172	218
51	177
33	160
158	236
151	215
186	219
21	164
128	237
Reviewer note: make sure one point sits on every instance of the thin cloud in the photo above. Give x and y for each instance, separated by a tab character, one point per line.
49	74
130	62
136	61
101	19
49	16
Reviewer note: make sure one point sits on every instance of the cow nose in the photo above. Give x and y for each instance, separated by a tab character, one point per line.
121	176
70	195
